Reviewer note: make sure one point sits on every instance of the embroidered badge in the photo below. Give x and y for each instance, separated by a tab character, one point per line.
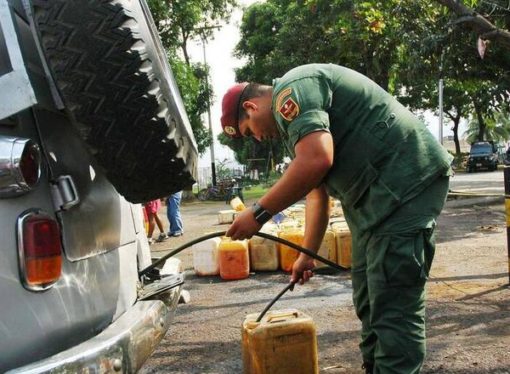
230	130
282	95
289	109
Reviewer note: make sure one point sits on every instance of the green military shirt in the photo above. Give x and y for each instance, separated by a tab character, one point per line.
384	155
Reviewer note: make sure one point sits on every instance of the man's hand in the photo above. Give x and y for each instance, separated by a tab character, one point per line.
244	226
302	269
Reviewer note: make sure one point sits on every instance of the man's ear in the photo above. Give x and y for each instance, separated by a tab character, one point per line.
249	105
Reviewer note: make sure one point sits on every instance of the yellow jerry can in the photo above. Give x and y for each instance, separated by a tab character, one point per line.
327	249
234	259
263	253
343	246
283	342
287	254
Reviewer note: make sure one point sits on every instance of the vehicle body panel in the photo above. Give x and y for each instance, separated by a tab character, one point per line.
92	315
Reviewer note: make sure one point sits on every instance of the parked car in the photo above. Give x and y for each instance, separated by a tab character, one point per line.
91	125
483	155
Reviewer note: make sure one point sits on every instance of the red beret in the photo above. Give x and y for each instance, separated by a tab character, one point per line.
230	110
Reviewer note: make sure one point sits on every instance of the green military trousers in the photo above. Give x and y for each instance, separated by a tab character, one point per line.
390	264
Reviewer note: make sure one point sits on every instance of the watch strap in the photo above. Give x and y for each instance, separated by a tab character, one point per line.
261	215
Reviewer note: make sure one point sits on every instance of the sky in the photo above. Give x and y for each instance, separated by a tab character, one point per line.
222	64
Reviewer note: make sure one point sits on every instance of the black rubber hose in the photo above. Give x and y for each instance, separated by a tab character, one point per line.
290	286
222	233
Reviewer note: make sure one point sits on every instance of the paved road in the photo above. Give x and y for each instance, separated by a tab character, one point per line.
467	305
467	318
479	182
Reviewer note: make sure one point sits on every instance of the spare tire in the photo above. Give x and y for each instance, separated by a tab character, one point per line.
112	73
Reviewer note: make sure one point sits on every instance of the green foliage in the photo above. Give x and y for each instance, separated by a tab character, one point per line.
223	172
194	92
497	128
254	193
278	35
252	153
179	22
365	36
271	179
403	45
472	86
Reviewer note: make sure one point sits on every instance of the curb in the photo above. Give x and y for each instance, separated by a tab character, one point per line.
471	201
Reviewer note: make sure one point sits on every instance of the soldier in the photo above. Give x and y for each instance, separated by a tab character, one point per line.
350	139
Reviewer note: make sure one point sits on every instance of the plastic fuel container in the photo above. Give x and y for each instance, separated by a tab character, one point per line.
283	342
234	259
327	249
226	216
263	252
237	204
205	257
287	254
343	246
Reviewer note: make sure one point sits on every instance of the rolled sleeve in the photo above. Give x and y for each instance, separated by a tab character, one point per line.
306	123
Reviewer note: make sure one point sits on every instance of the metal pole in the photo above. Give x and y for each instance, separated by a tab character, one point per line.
441	110
507	209
213	165
441	97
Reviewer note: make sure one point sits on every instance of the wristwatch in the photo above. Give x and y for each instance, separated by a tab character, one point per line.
261	215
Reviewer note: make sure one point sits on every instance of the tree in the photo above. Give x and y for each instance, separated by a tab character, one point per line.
497	129
482	26
252	153
180	22
405	46
472	84
278	35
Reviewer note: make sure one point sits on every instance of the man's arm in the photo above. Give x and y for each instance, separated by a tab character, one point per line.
314	158
316	222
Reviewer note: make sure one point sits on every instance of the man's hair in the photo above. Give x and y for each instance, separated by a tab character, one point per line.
250	91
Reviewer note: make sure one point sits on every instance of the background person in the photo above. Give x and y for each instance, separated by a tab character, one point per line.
350	139
173	213
152	208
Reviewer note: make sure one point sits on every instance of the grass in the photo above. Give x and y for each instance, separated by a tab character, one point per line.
254	192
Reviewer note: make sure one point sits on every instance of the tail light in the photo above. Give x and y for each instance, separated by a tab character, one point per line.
39	250
30	164
20	166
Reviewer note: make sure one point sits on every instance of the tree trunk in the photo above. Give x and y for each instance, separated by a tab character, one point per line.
481	123
455	130
456	121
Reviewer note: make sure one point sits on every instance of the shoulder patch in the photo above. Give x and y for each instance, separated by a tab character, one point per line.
286	106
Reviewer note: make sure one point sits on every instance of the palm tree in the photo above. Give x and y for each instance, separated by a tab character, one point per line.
497	128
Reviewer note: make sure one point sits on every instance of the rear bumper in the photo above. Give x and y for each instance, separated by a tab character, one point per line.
122	347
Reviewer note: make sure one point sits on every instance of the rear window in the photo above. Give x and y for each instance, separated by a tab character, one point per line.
481	148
